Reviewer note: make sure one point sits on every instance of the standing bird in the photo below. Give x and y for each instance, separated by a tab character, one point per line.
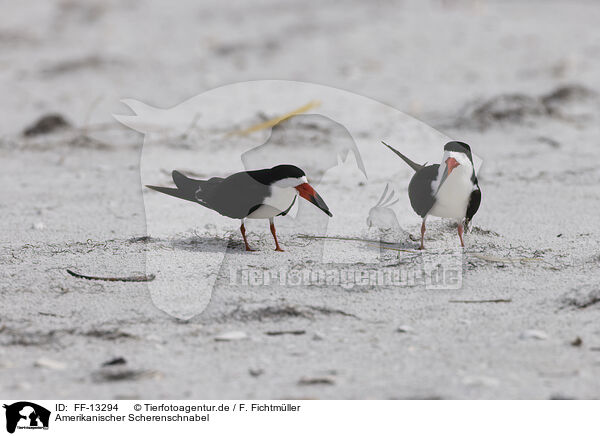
259	194
447	190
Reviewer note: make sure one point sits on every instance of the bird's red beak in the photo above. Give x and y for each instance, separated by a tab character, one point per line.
451	163
308	193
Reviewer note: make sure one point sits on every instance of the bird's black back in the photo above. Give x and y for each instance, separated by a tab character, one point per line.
235	196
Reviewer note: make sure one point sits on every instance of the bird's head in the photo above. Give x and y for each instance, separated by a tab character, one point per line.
456	154
457	157
290	176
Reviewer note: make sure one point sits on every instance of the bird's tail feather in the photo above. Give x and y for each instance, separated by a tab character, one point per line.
174	192
186	187
415	166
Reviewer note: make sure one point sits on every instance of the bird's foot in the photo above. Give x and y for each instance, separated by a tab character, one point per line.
279	249
249	249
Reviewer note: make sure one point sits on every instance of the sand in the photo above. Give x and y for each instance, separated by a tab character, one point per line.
519	82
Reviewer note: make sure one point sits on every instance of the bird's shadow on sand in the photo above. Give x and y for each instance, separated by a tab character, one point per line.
402	245
212	244
218	244
204	244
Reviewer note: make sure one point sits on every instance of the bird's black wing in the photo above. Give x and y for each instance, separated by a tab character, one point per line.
474	202
235	196
419	189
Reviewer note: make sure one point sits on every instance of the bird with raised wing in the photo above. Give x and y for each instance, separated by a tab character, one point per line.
446	190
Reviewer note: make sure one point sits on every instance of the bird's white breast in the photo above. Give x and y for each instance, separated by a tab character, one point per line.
280	200
453	197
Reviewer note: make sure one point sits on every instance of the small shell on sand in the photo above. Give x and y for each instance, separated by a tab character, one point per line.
44	362
534	334
231	336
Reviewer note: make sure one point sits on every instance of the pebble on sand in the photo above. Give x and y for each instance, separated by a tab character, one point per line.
44	362
231	336
6	364
256	372
480	380
23	386
534	334
318	336
577	342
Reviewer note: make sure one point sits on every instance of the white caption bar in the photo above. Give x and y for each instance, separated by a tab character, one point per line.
249	417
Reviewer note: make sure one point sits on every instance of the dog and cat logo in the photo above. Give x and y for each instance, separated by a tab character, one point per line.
26	415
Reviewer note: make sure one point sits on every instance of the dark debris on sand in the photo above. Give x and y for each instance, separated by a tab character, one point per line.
312	381
582	298
283	312
122	373
115	361
47	124
518	108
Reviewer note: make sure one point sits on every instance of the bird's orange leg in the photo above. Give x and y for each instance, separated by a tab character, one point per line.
277	247
243	230
460	234
422	247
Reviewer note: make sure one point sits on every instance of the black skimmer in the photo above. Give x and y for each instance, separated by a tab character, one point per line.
447	190
259	194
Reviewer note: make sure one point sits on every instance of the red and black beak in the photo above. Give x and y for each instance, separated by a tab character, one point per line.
451	163
308	193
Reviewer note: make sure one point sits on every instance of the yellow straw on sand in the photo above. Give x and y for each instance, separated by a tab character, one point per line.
273	121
